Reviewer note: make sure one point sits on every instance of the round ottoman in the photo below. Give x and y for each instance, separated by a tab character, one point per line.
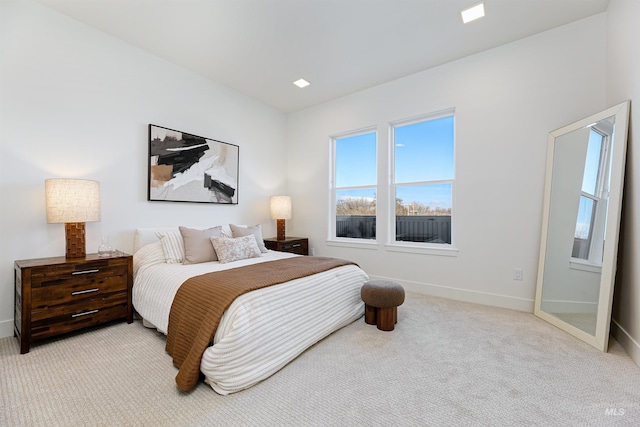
381	299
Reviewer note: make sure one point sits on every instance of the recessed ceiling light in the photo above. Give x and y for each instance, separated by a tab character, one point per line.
301	83
473	13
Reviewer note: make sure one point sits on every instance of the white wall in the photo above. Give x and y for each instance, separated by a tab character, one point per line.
507	100
77	103
623	82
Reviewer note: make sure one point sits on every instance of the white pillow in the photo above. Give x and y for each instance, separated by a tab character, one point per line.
256	230
173	246
235	249
148	255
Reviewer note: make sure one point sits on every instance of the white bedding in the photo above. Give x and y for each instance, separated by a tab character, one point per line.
262	330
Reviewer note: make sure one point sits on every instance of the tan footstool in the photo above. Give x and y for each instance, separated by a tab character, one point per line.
381	299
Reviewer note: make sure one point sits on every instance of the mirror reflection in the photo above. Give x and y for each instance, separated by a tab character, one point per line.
594	193
578	209
579	241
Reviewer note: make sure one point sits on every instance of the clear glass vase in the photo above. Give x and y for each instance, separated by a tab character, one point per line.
105	248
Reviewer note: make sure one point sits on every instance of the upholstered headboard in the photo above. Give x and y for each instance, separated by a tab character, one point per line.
144	236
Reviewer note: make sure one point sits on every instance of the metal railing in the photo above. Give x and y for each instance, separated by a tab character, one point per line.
414	228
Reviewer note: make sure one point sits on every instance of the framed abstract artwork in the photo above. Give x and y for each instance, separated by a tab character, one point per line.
190	168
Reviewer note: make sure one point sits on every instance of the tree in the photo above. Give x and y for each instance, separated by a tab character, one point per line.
356	206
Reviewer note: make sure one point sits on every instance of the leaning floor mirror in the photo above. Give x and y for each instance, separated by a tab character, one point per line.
581	224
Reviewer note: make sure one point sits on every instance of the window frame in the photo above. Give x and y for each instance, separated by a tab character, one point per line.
332	237
447	249
600	198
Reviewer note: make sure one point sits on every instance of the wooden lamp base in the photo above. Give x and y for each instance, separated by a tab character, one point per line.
75	240
280	226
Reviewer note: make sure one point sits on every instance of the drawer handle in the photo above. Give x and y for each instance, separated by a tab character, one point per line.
84	313
296	245
87	291
85	272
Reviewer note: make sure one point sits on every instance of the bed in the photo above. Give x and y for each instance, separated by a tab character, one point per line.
262	330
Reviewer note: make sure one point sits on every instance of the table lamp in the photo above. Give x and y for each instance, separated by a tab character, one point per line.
280	211
72	202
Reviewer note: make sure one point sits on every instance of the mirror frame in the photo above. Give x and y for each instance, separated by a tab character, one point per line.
610	253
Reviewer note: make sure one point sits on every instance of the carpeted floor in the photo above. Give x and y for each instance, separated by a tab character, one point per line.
447	363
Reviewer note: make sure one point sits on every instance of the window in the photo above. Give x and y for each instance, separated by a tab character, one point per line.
423	179
355	185
589	234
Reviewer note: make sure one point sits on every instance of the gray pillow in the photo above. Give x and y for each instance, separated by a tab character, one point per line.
197	244
256	230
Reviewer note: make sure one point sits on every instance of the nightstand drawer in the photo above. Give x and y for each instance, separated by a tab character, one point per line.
44	276
294	245
57	292
88	303
80	317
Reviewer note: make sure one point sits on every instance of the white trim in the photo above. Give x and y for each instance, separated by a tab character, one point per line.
422	248
631	346
6	328
465	295
391	184
574	307
578	264
353	243
333	188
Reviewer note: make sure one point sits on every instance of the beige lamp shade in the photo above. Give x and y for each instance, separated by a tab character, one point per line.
72	200
280	207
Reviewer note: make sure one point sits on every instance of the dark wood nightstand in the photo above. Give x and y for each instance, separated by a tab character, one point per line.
58	295
295	245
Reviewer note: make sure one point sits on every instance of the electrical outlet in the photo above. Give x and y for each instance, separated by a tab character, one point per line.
517	274
312	251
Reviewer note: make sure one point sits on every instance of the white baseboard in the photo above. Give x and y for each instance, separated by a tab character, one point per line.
631	346
503	301
6	328
576	307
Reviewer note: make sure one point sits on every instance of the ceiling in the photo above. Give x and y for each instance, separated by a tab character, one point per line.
259	47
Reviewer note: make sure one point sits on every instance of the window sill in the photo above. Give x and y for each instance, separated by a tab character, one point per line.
354	243
395	247
421	249
574	264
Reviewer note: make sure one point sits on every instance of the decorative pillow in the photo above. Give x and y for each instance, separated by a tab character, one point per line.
256	230
226	231
148	255
197	244
235	249
172	245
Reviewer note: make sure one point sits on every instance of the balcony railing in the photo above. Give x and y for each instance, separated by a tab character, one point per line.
415	228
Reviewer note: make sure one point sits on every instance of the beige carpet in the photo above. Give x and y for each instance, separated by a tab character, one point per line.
447	363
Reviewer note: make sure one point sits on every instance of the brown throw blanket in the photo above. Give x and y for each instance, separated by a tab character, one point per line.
200	302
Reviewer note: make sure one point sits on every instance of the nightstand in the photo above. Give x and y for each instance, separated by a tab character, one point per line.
57	295
295	245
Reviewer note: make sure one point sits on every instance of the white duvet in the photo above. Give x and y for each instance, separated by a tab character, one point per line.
262	330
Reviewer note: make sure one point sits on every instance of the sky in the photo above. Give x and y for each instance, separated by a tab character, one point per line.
422	152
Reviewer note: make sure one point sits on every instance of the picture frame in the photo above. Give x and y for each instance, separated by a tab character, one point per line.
188	168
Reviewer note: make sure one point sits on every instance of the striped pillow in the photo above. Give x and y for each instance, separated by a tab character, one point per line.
172	246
